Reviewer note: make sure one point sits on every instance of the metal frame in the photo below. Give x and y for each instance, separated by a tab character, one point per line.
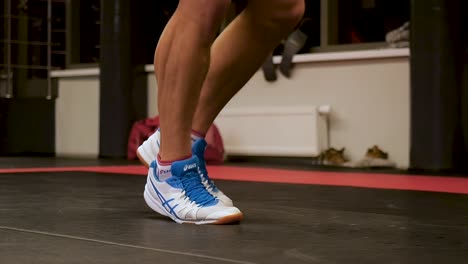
72	60
9	66
49	49
9	87
329	30
328	22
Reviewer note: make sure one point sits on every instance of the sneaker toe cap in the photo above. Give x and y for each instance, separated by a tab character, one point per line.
225	200
222	212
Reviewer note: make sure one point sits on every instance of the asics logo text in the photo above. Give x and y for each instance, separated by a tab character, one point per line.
189	166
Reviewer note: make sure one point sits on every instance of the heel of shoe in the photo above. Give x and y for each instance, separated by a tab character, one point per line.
144	157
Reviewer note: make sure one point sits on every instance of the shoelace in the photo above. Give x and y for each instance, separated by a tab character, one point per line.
195	190
204	175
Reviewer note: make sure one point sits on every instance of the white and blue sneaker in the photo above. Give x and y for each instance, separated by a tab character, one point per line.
148	151
178	193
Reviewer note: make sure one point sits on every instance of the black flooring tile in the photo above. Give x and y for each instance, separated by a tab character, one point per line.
25	247
284	223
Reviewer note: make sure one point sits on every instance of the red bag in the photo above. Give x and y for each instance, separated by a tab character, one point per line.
214	153
143	129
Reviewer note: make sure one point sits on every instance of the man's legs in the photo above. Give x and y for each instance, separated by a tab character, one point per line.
235	56
174	187
181	64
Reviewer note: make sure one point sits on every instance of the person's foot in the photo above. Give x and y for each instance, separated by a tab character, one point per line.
178	193
148	151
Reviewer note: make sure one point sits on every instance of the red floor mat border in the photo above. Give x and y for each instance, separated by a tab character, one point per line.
363	180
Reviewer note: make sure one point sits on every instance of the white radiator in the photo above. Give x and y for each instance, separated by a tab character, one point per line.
274	131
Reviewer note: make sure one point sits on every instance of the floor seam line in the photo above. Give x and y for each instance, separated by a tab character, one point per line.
124	245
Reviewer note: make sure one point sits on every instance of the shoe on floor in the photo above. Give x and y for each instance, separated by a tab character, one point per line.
181	195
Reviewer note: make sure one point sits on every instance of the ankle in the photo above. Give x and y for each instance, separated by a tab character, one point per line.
196	135
166	162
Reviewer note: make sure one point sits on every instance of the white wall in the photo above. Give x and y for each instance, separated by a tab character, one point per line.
77	117
152	96
369	97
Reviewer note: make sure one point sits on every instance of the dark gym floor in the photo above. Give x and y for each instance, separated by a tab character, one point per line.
86	217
